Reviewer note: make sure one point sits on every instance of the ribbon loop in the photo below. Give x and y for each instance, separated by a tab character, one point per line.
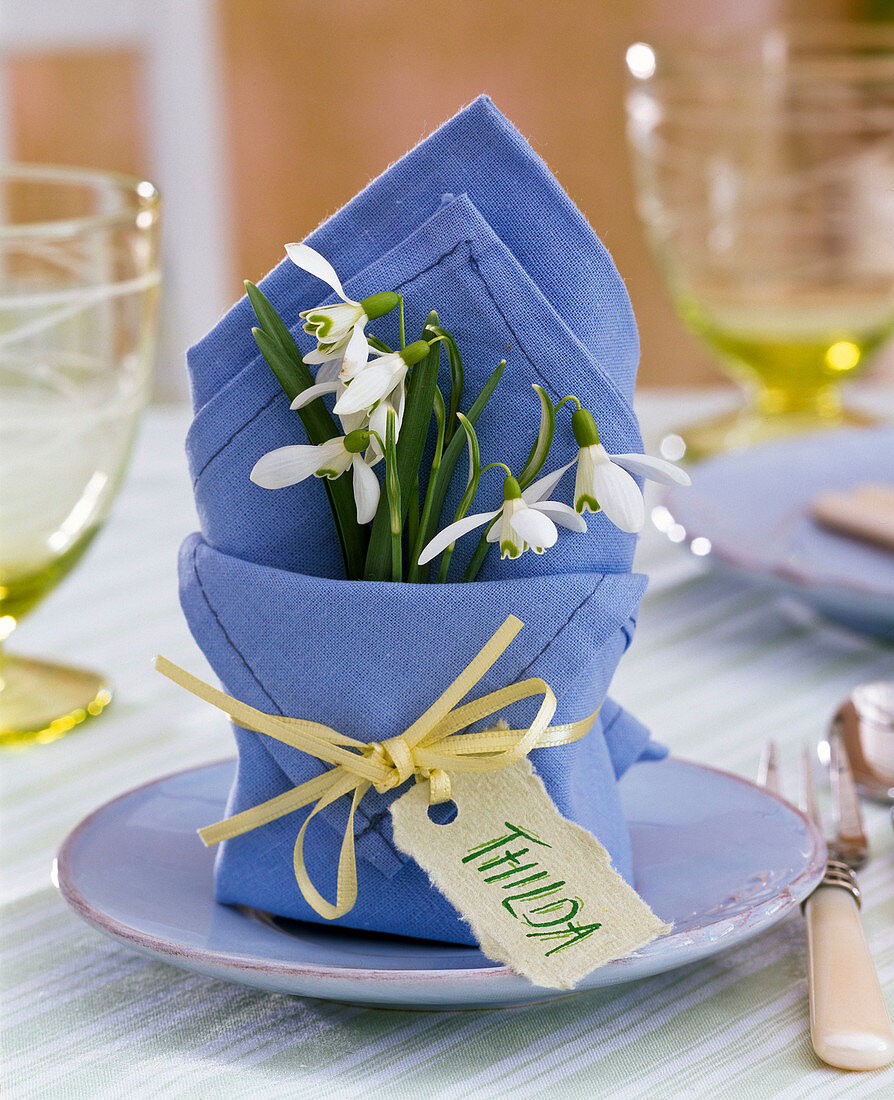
438	786
401	756
429	749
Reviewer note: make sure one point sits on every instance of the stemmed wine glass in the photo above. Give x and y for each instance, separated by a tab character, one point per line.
764	168
79	282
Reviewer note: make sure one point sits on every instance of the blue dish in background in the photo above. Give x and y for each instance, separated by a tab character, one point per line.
716	855
750	512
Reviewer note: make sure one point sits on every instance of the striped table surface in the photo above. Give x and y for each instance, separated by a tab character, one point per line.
717	667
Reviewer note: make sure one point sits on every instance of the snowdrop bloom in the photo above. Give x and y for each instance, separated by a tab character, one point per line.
378	422
377	379
363	398
603	481
526	521
326	381
339	329
289	465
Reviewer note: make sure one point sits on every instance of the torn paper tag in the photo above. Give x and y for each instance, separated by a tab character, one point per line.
539	891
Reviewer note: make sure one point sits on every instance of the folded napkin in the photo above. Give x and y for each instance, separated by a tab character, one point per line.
472	223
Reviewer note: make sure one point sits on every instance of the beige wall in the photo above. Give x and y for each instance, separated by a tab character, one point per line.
320	97
352	85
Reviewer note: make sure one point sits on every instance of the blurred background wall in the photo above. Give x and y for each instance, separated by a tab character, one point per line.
312	99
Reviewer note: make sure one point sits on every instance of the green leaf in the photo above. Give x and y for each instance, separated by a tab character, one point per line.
283	357
392	490
474	461
542	443
455	362
413	514
480	552
469	494
271	322
415	571
451	455
379	345
410	448
293	376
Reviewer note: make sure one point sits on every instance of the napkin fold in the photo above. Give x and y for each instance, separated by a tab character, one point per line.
472	223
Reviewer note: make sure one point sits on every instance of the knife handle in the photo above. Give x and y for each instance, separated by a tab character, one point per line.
849	1023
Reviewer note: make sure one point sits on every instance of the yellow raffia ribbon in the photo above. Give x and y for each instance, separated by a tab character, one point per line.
429	750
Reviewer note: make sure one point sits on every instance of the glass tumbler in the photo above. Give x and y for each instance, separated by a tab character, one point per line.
79	282
764	167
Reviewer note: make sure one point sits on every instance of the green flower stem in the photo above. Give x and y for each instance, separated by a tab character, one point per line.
455	362
468	495
415	571
379	345
481	550
401	322
497	466
413	515
392	486
451	455
543	442
284	359
446	556
410	449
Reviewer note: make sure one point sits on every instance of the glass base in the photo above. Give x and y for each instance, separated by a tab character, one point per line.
746	427
41	702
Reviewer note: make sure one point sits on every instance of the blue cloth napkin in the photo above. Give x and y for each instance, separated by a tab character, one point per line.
472	223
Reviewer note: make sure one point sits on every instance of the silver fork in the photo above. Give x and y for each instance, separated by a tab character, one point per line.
849	1023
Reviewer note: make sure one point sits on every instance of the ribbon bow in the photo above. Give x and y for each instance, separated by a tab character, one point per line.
429	750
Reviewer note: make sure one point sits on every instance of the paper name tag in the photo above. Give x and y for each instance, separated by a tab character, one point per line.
539	891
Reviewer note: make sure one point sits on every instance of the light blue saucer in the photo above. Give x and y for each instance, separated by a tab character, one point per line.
749	512
717	856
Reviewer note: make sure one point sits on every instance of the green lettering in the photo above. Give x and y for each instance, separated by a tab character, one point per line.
575	905
530	878
515	833
513	871
575	933
541	891
507	857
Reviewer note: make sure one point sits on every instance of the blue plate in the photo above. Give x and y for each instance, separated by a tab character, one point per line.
749	512
717	856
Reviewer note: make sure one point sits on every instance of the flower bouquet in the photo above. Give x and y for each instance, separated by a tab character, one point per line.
413	576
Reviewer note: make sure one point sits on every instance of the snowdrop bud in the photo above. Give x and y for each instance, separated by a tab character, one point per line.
377	305
356	441
415	352
511	489
584	427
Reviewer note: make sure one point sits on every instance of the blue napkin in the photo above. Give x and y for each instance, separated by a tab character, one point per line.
472	223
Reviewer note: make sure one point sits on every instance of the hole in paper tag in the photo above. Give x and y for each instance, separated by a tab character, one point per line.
538	891
443	813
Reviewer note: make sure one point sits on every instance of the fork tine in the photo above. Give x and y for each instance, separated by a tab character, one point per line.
768	769
807	801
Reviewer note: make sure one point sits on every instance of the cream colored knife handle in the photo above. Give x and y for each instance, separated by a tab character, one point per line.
849	1023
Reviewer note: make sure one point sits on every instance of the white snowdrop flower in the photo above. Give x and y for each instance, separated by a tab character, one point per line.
289	465
603	481
339	329
378	378
526	521
378	421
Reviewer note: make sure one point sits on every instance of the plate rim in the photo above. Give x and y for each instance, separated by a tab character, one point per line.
74	898
146	941
789	575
